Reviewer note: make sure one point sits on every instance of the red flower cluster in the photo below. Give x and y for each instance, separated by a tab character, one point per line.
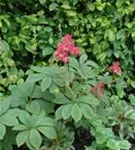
65	48
115	68
98	89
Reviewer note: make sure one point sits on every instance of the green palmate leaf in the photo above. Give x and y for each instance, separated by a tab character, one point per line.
74	63
35	138
69	93
4	106
44	121
34	77
49	132
33	107
87	111
24	117
66	112
45	106
46	82
9	120
82	59
37	92
88	99
54	88
13	112
37	69
59	81
22	137
29	145
58	113
60	99
19	127
2	131
76	112
20	93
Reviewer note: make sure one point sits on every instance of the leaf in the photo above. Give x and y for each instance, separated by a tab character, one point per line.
113	144
46	106
89	99
133	84
87	111
58	113
111	34
19	127
20	93
4	106
37	93
13	112
125	145
66	6
60	99
82	59
49	132
34	77
36	69
74	63
71	13
76	112
46	82
53	6
44	121
22	137
66	112
33	107
9	120
35	138
2	131
54	88
131	115
5	48
42	1
24	117
132	99
69	93
47	51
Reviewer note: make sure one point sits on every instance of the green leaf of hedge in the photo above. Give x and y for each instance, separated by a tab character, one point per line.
47	51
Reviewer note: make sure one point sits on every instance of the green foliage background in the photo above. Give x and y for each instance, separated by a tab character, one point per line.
104	29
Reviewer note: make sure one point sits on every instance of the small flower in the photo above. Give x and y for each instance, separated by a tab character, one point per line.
66	48
115	68
98	89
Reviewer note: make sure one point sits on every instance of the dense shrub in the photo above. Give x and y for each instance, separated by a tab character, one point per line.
63	92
